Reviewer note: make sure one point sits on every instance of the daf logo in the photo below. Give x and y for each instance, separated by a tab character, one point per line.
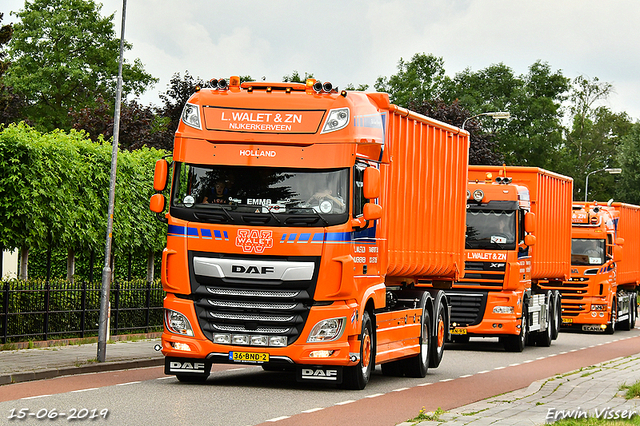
309	372
262	270
175	365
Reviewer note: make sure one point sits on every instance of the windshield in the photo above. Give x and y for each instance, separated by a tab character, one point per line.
490	229
588	251
260	195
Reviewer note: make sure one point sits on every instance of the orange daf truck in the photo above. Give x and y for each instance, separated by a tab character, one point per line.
605	268
518	237
309	229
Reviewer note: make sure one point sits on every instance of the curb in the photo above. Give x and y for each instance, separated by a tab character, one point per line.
84	369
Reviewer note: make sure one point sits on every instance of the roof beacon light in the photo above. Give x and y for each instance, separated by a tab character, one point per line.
234	81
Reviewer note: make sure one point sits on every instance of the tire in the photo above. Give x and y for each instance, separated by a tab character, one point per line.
517	343
418	365
437	346
358	376
632	310
556	316
627	325
544	338
190	378
611	328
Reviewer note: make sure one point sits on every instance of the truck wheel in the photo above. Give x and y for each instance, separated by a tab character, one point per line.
190	378
544	338
358	376
556	315
632	310
611	328
418	365
517	343
437	346
626	325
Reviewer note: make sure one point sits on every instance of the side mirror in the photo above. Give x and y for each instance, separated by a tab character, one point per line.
371	183
617	253
372	211
160	175
157	203
530	223
620	241
529	240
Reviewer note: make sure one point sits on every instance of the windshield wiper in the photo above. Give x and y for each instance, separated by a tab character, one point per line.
273	215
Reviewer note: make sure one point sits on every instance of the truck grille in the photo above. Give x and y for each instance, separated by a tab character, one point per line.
483	274
273	307
467	308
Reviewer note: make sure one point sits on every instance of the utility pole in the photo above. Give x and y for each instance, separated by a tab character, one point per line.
106	271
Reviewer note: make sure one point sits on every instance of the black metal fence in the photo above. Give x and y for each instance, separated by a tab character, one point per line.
40	310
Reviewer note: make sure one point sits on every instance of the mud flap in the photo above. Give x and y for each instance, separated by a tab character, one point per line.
196	367
318	373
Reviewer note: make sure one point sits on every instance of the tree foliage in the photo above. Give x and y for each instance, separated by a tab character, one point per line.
55	190
64	55
139	126
593	141
419	80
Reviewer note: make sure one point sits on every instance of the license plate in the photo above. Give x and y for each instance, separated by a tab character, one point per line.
459	331
567	320
592	328
258	357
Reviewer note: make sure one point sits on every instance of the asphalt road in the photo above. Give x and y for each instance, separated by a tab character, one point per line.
249	396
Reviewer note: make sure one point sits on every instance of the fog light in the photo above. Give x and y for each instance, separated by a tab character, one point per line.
259	340
594	314
278	341
603	326
478	195
240	339
601	314
503	309
321	354
180	346
222	339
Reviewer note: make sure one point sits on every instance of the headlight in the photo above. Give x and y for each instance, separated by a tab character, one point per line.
327	330
503	309
598	307
177	323
191	116
337	119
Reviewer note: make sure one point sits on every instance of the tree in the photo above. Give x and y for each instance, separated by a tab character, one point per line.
481	144
64	56
10	103
593	141
534	133
139	126
419	80
629	160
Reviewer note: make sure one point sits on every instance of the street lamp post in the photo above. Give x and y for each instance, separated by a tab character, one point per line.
614	171
496	115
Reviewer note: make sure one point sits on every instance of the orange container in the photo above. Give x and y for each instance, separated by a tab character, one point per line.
551	197
424	196
628	227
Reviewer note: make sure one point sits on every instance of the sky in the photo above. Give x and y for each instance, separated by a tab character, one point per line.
356	42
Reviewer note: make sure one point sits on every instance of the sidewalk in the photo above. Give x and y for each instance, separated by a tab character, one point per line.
44	363
587	392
